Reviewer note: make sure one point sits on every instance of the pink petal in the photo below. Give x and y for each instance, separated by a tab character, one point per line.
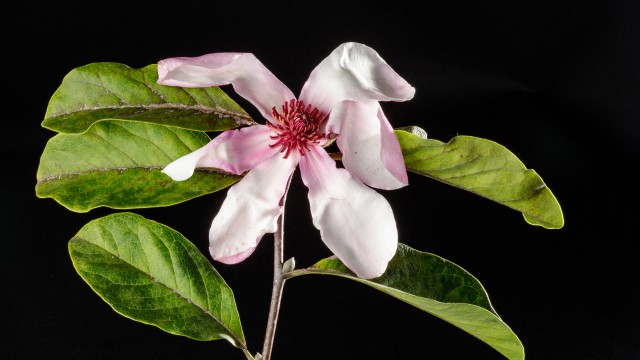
234	259
354	71
250	210
234	151
370	148
183	167
355	222
249	77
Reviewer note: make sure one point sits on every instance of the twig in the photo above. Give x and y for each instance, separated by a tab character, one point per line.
278	281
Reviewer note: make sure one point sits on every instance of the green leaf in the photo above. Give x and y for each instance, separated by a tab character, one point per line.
439	287
150	273
102	91
118	164
485	168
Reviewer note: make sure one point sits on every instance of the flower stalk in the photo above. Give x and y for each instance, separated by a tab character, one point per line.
276	294
278	281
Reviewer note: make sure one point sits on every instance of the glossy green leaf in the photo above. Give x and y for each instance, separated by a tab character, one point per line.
102	91
118	164
150	273
440	288
485	168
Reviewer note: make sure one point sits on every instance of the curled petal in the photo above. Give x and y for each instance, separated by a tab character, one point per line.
239	257
250	210
183	168
354	71
355	222
370	148
239	150
249	77
234	151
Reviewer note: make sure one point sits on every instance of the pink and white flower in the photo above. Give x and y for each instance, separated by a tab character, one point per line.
340	100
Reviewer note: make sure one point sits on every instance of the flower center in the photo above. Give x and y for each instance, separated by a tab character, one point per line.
297	126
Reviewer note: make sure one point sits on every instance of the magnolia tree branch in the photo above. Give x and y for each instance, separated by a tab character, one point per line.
278	281
276	294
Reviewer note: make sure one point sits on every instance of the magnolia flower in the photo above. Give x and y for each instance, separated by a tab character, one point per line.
339	101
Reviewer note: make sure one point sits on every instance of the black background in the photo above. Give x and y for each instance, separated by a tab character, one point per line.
556	82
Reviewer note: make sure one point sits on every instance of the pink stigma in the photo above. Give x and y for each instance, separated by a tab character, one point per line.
297	126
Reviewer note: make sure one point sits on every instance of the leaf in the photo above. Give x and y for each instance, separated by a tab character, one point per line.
150	273
439	287
103	91
485	168
118	164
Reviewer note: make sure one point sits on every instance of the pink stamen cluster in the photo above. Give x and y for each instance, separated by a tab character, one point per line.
296	127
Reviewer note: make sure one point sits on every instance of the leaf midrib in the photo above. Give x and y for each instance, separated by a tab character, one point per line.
62	176
198	107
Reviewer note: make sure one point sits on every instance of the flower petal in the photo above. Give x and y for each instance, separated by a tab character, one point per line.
239	150
234	151
370	149
355	222
250	210
249	77
183	167
353	71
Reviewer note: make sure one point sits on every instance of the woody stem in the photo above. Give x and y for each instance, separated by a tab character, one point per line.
278	282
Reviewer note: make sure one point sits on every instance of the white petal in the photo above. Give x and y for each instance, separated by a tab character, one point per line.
234	151
355	222
249	77
182	168
250	210
370	148
239	150
354	71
